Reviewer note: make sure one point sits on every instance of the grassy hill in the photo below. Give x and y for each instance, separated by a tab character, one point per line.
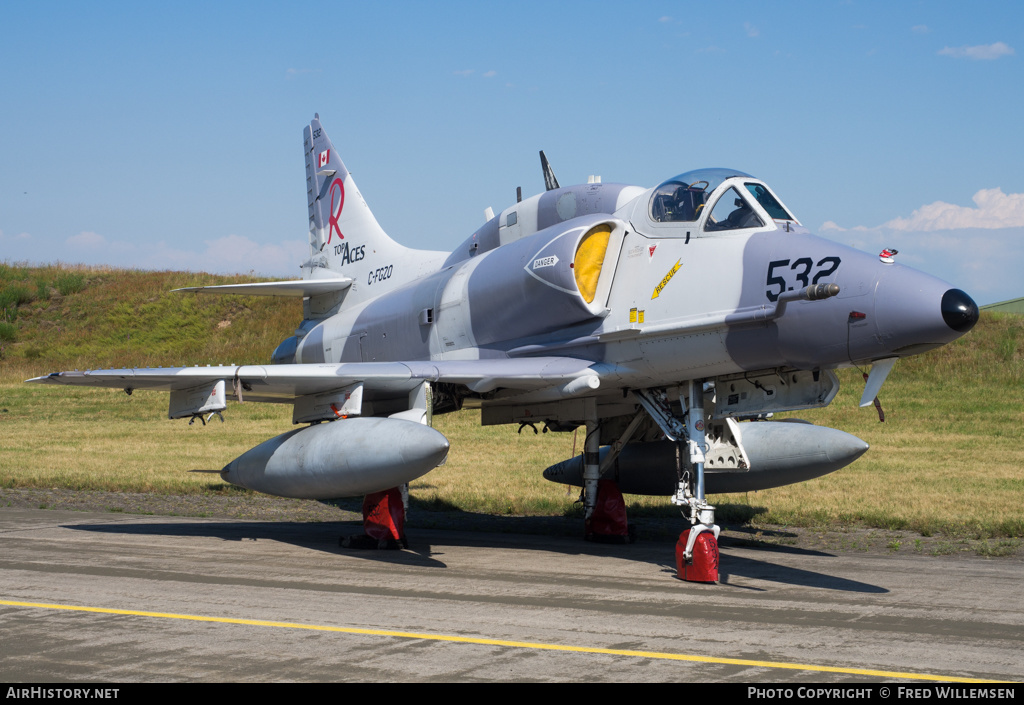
948	459
87	317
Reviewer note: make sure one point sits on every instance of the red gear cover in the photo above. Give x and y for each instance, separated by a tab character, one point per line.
703	566
384	515
609	517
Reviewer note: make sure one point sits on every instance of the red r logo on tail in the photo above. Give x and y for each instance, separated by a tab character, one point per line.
336	212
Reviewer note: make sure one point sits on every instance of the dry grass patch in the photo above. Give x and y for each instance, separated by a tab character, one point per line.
102	439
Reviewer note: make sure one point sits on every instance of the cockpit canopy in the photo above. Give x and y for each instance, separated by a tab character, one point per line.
682	199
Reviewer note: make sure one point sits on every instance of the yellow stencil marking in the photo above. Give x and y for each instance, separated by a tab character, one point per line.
667	279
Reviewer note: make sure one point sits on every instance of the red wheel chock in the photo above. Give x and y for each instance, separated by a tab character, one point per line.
383	522
703	564
608	522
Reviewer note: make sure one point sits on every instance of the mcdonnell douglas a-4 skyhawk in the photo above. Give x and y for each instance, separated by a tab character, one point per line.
657	318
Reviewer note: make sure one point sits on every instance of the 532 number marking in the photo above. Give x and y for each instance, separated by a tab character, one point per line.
801	273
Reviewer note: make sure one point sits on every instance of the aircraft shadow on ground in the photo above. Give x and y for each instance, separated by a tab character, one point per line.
732	565
486	531
318	536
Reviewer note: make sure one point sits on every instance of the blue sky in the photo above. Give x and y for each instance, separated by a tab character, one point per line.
168	136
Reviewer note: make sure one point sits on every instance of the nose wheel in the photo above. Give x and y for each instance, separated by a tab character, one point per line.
697	548
697	554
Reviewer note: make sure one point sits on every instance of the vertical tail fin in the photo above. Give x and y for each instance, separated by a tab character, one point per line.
343	234
339	220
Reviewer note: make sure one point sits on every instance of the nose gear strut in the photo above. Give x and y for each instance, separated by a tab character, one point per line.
697	550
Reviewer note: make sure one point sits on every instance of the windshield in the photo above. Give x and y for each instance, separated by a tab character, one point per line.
768	202
732	212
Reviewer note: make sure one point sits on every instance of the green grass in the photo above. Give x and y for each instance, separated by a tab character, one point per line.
947	461
101	317
67	283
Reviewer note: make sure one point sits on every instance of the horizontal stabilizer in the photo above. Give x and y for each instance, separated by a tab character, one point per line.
295	288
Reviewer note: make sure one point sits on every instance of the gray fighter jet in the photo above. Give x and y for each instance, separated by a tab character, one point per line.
661	319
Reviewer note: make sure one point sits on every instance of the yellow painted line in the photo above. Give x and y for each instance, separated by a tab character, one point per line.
512	644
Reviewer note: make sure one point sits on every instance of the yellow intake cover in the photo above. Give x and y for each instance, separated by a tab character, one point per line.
589	259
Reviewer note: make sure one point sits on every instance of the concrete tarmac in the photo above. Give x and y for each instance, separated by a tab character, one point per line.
282	602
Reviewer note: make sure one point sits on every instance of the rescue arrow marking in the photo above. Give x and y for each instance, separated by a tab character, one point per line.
502	642
667	279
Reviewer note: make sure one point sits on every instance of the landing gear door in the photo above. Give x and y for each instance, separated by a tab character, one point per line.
753	394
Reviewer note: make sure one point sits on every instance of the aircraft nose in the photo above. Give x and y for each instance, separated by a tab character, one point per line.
915	312
959	310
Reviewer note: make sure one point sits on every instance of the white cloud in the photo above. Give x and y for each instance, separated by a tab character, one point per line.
236	253
995	209
977	249
18	248
292	73
751	30
86	240
830	226
984	263
225	255
664	19
469	72
19	236
920	29
982	52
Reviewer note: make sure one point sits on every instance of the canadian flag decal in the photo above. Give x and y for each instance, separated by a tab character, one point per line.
325	156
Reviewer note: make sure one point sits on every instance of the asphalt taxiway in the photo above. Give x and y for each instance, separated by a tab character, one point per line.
175	599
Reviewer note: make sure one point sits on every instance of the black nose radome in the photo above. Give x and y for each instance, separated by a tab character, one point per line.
959	310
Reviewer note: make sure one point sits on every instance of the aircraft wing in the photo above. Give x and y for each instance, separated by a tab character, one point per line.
285	383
